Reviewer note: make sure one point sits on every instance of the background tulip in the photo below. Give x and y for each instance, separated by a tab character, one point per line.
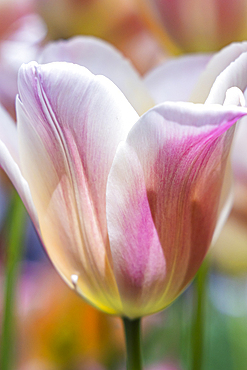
11	11
197	25
118	22
105	184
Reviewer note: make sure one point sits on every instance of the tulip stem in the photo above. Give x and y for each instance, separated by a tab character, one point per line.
198	321
132	330
15	233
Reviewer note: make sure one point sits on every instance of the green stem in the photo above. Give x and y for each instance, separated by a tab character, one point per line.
132	330
15	234
198	320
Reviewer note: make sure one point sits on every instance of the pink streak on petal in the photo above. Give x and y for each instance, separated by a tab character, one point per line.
139	263
183	150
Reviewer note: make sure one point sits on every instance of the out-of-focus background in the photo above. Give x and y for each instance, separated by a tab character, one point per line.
56	330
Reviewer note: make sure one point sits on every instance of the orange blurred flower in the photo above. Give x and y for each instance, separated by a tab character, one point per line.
61	330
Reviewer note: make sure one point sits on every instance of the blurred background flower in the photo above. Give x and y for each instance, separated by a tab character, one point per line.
116	21
61	331
11	11
196	25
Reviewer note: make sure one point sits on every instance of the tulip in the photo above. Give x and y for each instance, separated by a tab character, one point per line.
197	25
126	203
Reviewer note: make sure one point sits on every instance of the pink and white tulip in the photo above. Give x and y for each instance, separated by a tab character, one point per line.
126	197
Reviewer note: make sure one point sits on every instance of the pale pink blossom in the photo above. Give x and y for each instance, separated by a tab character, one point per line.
125	194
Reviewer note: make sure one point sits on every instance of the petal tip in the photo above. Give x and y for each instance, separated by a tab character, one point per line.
234	96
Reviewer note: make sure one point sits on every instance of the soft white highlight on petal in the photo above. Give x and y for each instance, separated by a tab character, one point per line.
74	280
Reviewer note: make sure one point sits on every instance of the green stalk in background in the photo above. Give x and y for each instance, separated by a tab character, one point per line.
198	317
132	330
14	247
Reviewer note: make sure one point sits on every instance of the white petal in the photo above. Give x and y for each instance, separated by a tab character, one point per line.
102	59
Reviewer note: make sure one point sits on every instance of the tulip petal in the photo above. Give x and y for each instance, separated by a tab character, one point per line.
233	96
235	75
102	59
138	258
9	161
225	89
217	64
70	123
178	77
182	149
239	154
